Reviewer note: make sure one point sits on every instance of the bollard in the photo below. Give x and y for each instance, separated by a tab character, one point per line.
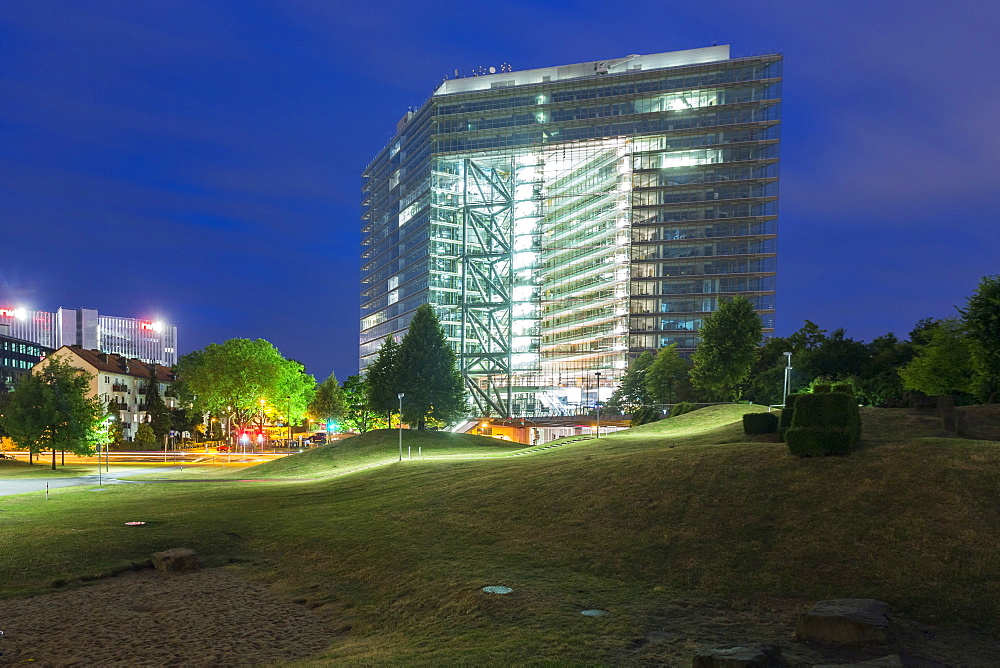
46	490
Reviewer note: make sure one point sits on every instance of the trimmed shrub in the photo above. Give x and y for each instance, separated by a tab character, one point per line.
834	412
682	408
760	423
822	388
819	441
844	388
787	414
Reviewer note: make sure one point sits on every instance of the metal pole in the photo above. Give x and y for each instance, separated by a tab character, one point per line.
598	403
788	378
289	418
400	397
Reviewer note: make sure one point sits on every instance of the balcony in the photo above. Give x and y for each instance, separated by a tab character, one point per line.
119	387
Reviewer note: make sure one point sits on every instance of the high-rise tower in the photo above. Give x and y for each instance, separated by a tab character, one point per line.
562	220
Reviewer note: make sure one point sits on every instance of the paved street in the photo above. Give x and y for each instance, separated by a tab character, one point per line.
22	486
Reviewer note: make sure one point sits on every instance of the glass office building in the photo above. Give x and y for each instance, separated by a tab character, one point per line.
563	220
146	340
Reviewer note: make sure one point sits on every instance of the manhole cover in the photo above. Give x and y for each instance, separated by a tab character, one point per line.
594	613
134	524
497	589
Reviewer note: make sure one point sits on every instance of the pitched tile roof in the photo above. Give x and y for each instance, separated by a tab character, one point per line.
121	365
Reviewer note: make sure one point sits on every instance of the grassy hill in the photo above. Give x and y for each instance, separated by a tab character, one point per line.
664	526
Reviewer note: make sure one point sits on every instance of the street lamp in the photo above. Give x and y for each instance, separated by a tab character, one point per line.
598	403
289	418
261	432
400	397
788	378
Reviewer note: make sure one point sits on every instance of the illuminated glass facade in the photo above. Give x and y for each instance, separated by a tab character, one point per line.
148	341
565	219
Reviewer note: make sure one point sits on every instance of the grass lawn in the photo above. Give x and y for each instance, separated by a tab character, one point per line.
13	468
646	523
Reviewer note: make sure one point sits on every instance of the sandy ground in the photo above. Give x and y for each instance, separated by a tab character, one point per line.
213	617
217	617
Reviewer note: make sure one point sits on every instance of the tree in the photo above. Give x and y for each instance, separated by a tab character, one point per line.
157	413
836	357
727	350
329	403
943	364
233	378
426	372
632	391
358	415
145	436
667	377
50	409
382	382
981	321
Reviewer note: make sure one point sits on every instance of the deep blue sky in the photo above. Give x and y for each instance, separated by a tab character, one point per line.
200	161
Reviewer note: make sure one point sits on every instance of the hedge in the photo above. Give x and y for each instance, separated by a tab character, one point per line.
760	423
836	413
787	414
819	441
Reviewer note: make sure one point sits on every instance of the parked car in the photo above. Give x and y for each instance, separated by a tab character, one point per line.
224	448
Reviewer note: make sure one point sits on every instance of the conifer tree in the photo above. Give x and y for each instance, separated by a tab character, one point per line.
380	375
426	372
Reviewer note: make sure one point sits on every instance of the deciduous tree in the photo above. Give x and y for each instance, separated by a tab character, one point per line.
328	404
943	364
358	415
666	378
50	409
727	350
233	378
981	321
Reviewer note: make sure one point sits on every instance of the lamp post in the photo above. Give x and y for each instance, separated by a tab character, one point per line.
400	397
260	434
288	417
598	403
788	378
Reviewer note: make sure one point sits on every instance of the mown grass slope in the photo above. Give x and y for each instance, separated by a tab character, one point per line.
682	510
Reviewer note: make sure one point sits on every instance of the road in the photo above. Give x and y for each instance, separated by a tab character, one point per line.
25	485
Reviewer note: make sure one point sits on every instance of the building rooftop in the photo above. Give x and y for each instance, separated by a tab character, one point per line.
634	62
121	365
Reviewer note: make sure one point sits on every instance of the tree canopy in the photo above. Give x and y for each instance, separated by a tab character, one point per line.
727	350
329	402
382	384
942	364
358	415
233	378
50	409
666	378
632	392
981	321
426	372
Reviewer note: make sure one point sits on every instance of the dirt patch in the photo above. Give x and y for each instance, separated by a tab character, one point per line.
207	618
678	630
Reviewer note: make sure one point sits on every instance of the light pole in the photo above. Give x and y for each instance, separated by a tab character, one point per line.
598	403
260	434
788	378
400	397
288	417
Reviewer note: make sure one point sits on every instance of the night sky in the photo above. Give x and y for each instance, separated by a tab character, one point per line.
200	162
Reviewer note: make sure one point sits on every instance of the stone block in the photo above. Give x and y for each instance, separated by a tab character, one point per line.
745	656
176	560
846	621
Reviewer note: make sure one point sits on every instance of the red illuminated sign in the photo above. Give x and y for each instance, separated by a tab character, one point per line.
8	312
146	325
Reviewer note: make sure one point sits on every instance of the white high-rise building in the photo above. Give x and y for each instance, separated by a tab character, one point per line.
147	340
